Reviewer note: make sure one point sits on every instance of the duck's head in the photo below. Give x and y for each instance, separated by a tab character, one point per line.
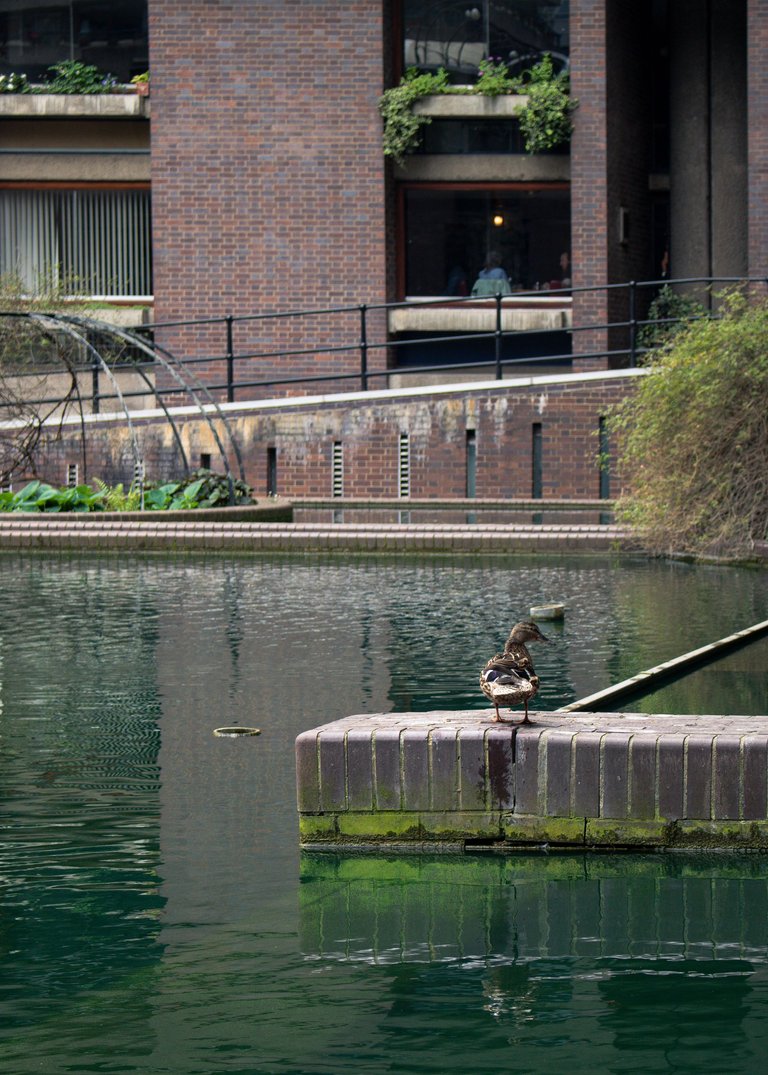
526	631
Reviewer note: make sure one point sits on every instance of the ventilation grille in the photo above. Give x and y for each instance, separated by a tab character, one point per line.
73	472
337	469
404	466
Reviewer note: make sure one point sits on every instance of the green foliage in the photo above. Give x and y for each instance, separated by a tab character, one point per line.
14	83
117	497
71	76
693	438
143	77
401	125
545	119
37	496
202	489
668	314
494	78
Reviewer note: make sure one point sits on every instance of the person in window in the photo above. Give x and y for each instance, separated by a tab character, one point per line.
492	279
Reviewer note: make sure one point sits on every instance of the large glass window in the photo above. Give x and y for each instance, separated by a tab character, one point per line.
449	233
458	34
112	36
94	242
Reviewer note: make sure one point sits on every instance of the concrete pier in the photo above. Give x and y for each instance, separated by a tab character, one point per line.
457	780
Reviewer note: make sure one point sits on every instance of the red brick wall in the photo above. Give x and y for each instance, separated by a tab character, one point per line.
369	431
267	174
757	110
589	174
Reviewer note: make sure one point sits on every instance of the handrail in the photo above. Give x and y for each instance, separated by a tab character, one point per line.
627	349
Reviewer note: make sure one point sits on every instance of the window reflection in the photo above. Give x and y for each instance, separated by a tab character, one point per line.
458	34
34	35
449	233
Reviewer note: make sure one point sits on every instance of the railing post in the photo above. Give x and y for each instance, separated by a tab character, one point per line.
230	361
632	323
498	337
363	349
95	385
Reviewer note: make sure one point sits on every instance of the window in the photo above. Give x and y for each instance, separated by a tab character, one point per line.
34	35
94	242
458	34
449	232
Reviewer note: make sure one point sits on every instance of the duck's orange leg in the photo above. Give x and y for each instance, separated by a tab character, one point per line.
525	719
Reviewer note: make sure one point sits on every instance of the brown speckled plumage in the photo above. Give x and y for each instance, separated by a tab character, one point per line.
513	680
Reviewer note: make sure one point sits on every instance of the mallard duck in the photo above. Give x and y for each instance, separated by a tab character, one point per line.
508	678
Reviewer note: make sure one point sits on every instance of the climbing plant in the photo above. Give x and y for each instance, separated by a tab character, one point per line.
693	437
545	117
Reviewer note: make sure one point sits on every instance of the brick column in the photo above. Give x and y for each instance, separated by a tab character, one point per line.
589	176
757	110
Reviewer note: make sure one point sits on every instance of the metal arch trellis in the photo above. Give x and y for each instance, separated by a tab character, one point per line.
76	326
166	358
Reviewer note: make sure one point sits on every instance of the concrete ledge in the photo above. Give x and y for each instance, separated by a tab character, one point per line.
128	105
594	780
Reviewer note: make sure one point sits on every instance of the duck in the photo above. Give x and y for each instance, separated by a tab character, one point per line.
509	678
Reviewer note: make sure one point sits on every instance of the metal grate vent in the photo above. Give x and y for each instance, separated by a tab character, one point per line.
337	469
404	466
73	472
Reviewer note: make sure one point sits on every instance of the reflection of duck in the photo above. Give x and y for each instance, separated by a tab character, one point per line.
508	678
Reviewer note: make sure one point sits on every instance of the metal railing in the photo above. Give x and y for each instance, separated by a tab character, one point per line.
624	335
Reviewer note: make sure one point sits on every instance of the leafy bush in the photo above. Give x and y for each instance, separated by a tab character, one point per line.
693	438
401	124
14	83
494	78
545	120
668	314
37	496
71	76
202	489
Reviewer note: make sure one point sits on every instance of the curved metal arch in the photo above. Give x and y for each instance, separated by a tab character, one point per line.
147	382
42	319
163	355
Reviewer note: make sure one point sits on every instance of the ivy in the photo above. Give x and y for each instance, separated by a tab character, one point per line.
545	118
402	125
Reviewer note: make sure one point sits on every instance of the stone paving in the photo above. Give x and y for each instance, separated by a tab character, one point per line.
105	532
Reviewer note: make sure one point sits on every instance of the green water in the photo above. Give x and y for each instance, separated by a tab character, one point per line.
155	913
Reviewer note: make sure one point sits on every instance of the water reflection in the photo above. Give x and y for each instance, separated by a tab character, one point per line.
618	955
151	915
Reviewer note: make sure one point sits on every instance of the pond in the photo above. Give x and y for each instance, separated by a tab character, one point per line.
157	915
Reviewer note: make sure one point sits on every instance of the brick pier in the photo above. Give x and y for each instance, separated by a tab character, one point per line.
452	780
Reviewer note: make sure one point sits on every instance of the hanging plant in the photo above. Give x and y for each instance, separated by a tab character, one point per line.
545	118
402	125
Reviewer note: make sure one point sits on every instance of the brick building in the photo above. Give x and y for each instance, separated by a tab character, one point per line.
259	151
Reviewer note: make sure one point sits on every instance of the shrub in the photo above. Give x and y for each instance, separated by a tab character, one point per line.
71	76
694	437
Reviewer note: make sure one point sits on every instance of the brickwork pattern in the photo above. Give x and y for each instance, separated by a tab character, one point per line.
369	431
267	175
600	778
